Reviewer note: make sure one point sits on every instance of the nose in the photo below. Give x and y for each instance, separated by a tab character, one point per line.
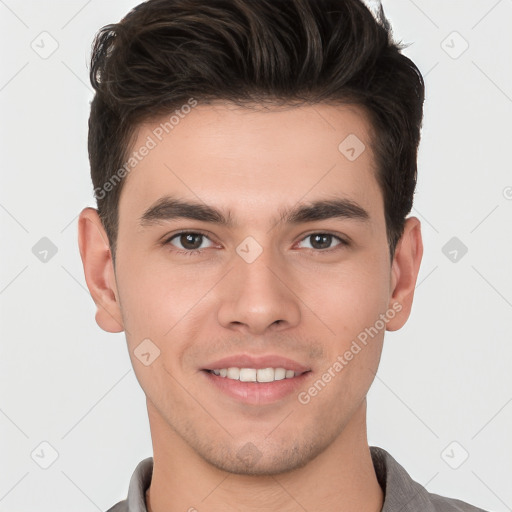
258	297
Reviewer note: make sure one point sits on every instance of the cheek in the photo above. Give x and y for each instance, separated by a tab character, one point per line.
166	306
155	297
351	306
351	297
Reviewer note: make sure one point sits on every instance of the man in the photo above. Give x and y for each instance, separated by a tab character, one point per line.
254	162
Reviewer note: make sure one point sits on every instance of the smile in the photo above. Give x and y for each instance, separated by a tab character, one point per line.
255	375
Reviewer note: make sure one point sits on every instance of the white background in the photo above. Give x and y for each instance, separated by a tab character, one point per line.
444	377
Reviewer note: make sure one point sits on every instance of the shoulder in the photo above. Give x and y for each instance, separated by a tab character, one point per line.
443	504
402	493
122	506
139	483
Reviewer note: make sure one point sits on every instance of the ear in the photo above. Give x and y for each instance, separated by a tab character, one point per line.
99	270
404	273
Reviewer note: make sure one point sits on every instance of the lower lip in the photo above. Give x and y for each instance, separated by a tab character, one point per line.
257	393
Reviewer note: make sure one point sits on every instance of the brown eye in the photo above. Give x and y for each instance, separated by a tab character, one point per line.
188	242
321	241
324	241
191	241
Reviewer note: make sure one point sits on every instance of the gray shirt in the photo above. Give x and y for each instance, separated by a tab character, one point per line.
401	492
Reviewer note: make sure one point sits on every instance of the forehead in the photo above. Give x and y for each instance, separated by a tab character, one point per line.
252	161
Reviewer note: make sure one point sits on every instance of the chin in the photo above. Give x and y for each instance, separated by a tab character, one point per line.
268	460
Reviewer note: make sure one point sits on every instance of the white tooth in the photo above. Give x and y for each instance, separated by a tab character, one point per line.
233	373
216	372
290	374
223	372
247	375
279	374
265	375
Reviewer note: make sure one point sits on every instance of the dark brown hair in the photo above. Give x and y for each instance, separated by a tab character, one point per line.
165	52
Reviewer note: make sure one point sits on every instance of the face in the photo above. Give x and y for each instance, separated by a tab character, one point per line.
282	264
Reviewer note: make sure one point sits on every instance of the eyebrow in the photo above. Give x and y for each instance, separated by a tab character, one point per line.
170	208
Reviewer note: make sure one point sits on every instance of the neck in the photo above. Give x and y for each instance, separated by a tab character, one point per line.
340	479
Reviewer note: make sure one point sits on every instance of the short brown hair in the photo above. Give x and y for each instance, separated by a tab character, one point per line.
164	52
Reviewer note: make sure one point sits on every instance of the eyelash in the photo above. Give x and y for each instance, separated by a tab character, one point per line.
343	243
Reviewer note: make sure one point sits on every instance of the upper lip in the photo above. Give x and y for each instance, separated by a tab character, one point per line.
257	362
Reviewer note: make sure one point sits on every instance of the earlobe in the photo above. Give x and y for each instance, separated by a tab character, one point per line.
99	270
404	273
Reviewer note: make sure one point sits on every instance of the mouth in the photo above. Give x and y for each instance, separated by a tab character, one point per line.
256	380
255	374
